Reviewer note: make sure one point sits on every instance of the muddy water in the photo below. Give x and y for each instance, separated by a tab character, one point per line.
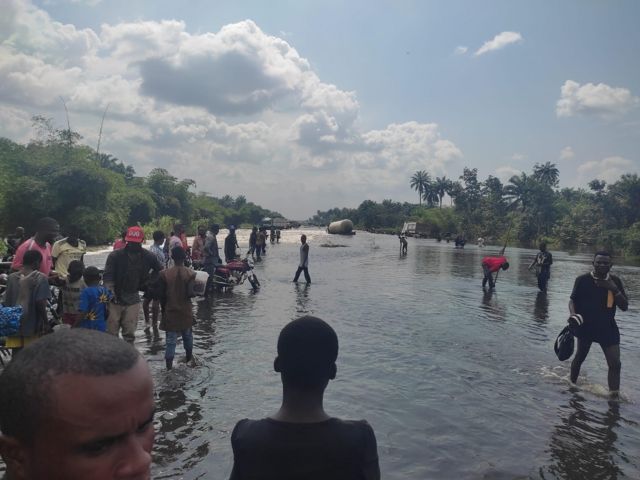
457	383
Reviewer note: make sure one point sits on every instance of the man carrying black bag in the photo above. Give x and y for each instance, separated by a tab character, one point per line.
594	298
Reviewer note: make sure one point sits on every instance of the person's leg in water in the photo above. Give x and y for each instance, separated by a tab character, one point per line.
170	351
187	342
581	353
307	277
543	278
145	311
488	277
297	275
612	354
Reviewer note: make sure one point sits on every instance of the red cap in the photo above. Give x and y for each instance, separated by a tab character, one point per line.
134	234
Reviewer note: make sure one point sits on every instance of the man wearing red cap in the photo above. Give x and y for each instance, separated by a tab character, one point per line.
126	272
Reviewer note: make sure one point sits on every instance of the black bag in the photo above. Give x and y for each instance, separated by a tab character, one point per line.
564	344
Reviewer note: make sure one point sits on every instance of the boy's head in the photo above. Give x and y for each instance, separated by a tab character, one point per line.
91	276
307	353
505	266
75	269
178	254
32	259
158	237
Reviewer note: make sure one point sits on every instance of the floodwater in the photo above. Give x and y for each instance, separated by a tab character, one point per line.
457	383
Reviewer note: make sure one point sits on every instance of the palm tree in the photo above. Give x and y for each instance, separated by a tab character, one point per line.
419	182
518	190
441	186
546	174
430	194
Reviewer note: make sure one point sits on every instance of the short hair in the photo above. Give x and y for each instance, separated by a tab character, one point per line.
45	223
158	235
91	273
25	384
75	266
505	265
31	257
214	226
307	351
178	253
602	253
72	230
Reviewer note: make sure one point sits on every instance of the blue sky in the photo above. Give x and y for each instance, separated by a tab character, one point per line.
303	106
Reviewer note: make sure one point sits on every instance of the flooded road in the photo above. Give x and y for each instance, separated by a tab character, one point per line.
457	383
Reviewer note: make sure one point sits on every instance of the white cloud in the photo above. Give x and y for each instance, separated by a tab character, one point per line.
608	169
216	106
566	153
591	99
460	50
498	42
505	172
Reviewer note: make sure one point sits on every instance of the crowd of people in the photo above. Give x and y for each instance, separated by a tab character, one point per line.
79	403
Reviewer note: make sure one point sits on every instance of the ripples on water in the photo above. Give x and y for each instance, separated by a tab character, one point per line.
457	383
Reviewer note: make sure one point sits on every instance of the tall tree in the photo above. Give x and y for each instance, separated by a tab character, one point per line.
441	186
419	182
546	174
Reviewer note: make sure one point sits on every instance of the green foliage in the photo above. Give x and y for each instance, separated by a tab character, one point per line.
54	175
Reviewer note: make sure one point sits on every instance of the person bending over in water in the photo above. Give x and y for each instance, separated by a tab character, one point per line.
403	243
491	265
301	441
594	298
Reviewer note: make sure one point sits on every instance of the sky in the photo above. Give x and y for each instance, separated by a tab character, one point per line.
303	106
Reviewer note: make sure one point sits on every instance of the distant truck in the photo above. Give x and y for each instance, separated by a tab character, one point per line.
416	229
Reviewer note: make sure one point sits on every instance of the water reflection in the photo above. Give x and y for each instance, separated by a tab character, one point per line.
302	298
491	305
583	444
541	308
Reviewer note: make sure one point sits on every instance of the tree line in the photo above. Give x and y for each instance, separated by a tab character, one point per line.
529	208
56	175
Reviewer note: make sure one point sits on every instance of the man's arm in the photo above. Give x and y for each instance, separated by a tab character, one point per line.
108	277
620	296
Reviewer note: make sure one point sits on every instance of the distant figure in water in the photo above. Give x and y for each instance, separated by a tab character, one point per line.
594	299
303	266
491	265
460	241
480	242
542	262
301	441
403	244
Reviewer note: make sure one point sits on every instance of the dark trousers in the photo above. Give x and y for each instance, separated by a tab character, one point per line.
306	274
488	277
543	279
611	353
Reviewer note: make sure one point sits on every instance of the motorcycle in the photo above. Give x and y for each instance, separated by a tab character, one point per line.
234	273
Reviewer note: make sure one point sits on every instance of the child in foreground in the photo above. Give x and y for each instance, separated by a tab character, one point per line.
94	302
301	440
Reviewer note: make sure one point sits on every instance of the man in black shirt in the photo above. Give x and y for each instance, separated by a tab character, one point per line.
542	262
595	296
301	441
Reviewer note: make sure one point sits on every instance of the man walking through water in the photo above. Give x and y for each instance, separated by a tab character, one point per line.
126	272
542	262
304	260
593	303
